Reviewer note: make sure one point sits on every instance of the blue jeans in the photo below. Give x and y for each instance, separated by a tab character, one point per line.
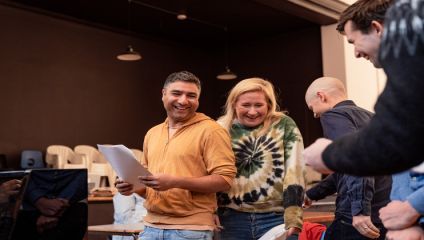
150	233
241	225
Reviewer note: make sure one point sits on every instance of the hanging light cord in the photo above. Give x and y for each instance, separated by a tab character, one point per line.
129	16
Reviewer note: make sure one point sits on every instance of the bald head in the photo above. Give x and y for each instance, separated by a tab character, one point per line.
324	93
329	85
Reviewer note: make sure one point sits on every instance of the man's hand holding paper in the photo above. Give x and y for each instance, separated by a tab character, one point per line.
160	182
126	166
124	188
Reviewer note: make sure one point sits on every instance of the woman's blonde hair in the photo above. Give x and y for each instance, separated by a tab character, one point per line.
251	85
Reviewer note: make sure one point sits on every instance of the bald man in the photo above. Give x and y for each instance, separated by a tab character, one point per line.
358	198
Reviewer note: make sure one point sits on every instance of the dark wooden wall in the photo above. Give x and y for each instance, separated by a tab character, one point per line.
60	82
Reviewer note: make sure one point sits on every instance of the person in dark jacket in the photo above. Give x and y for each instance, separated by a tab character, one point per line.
358	198
391	142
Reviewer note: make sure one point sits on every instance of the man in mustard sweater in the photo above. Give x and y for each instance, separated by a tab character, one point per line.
191	159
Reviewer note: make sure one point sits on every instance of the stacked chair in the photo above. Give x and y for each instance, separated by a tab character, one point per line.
100	172
98	168
58	156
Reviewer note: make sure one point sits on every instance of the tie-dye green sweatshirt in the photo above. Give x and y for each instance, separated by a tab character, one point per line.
270	171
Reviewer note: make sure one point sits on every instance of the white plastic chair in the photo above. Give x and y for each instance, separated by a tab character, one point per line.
101	168
276	233
58	156
90	154
78	161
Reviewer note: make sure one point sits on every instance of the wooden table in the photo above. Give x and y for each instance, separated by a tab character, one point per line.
92	199
117	229
318	217
100	212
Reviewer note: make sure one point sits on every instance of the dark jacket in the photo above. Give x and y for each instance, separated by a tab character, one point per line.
392	142
355	195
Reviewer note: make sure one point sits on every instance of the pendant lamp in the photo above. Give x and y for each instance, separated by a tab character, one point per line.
129	54
227	74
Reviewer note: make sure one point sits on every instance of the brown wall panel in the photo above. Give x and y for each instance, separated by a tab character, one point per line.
61	83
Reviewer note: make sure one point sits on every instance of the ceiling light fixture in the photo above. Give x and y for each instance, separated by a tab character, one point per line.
227	74
129	54
182	16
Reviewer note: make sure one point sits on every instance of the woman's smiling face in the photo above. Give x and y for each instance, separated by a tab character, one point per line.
251	108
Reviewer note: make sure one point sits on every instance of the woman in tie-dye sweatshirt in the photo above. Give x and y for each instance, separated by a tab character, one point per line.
269	185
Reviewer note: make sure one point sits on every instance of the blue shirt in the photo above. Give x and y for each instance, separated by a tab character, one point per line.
355	195
409	186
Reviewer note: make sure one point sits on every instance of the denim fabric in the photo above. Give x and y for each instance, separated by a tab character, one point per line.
417	180
241	225
150	233
342	229
408	186
400	187
417	197
355	195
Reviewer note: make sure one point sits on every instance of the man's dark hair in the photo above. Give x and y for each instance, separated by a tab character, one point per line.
362	13
184	76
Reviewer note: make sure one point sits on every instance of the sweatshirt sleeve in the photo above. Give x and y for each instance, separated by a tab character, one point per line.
324	188
416	199
294	181
219	156
361	193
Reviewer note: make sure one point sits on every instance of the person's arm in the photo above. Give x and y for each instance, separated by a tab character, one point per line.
42	186
54	207
219	160
392	141
411	233
127	189
38	187
323	189
204	184
294	181
361	191
398	215
9	188
416	199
